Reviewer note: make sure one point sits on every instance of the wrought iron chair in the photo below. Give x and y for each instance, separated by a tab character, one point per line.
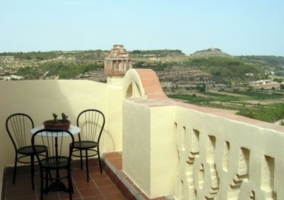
56	166
91	122
19	127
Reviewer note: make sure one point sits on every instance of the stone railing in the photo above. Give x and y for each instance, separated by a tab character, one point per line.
220	158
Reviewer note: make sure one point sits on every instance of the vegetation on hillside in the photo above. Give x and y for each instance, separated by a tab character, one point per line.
272	60
210	97
156	53
268	113
274	63
53	69
51	55
156	66
222	69
225	69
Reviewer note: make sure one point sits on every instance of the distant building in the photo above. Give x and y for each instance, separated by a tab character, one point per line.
117	63
11	77
271	85
265	84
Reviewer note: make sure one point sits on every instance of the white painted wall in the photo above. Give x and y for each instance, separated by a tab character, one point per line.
150	156
136	144
229	157
40	99
169	148
194	153
1	171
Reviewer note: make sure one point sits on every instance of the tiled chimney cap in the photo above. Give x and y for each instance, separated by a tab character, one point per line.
118	51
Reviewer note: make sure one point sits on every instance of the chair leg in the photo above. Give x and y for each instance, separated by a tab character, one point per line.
87	165
99	158
70	193
81	159
32	171
41	184
15	168
47	172
70	185
71	173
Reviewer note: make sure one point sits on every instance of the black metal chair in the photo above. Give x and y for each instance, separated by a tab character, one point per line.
19	127
56	166
91	123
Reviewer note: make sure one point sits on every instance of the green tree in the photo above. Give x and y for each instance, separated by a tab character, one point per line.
201	87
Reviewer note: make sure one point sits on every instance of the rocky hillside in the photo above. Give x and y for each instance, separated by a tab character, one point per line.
177	71
215	52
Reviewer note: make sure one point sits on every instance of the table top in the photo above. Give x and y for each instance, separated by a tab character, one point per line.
73	129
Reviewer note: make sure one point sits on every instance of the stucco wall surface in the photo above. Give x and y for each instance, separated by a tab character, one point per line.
136	144
197	153
149	150
1	171
40	99
223	158
162	149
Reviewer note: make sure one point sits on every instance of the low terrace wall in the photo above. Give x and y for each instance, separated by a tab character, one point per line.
40	99
191	152
227	157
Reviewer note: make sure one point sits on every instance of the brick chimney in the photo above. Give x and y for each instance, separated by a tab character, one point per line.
117	63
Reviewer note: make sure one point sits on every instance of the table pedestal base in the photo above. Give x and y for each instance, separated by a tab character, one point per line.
56	186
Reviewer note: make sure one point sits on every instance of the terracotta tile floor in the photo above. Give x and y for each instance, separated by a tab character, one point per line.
102	186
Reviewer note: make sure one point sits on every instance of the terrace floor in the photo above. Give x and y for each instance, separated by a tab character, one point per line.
112	184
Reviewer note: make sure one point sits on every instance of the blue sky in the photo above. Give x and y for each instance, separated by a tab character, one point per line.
243	27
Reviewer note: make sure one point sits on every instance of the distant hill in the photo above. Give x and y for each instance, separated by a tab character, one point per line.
212	52
157	53
174	67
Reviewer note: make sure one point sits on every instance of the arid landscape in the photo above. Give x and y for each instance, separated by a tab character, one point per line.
247	84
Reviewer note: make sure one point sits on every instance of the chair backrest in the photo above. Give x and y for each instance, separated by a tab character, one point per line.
91	123
19	127
59	143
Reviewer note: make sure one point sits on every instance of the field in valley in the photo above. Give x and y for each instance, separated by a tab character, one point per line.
262	105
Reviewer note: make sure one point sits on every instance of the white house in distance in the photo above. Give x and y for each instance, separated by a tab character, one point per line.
265	84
